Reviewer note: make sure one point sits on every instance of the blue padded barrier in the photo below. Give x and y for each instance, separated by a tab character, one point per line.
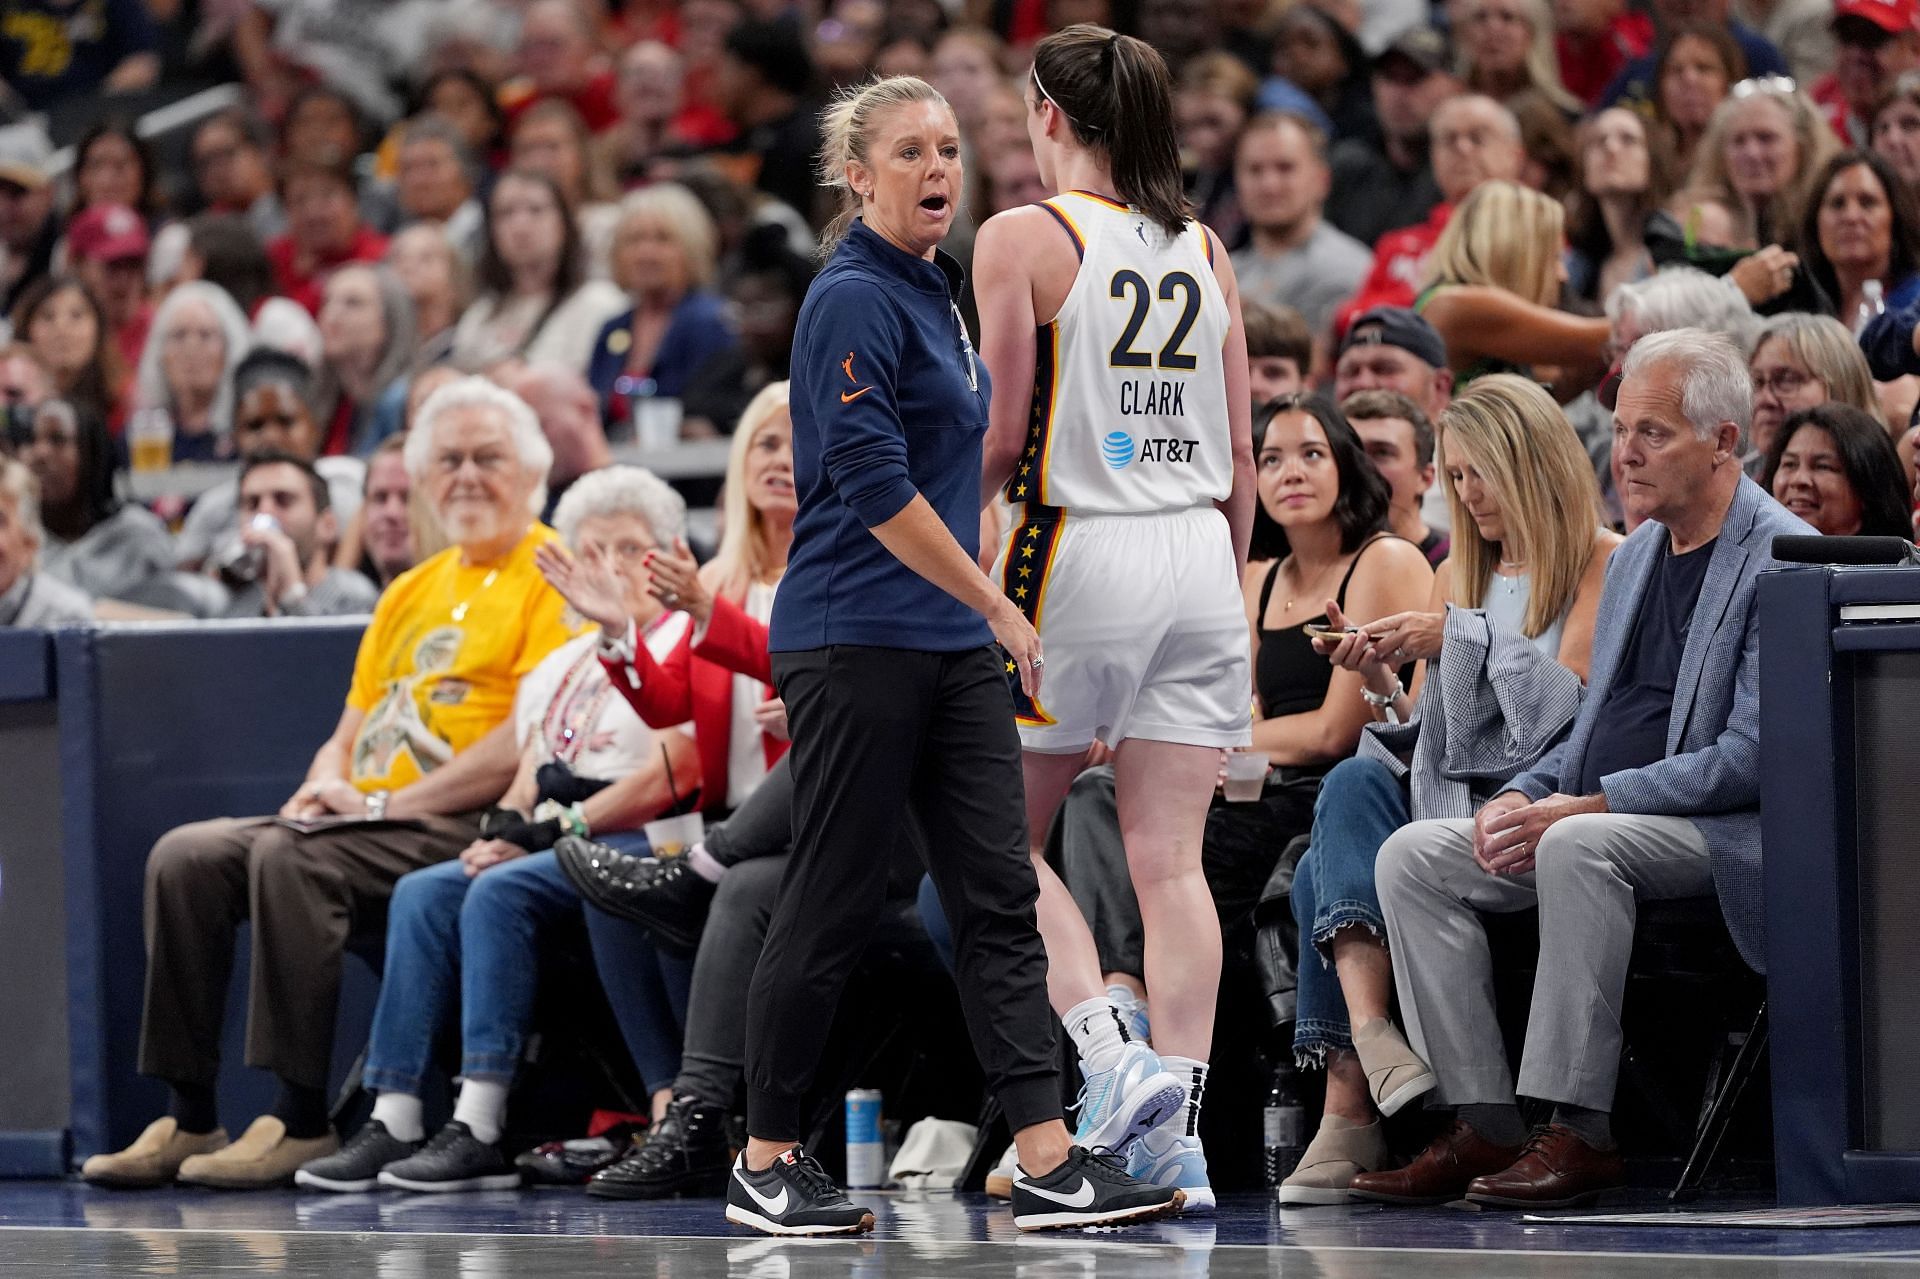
161	725
1837	700
33	1016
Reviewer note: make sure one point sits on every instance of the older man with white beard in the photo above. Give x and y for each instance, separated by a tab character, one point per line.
424	736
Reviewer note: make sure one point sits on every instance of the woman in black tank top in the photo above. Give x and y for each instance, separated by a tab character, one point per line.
1322	520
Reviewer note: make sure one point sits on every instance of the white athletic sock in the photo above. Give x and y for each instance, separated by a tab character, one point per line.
1099	1031
705	864
1128	1003
400	1112
482	1108
1194	1075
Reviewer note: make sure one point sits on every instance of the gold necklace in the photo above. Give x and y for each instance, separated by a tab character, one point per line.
1322	576
460	609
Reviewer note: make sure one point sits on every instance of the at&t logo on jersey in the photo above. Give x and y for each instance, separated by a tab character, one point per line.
1120	451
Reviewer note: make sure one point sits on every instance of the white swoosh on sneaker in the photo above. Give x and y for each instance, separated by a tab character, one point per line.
776	1204
1081	1198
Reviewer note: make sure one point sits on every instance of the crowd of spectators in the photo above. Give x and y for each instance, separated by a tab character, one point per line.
1519	279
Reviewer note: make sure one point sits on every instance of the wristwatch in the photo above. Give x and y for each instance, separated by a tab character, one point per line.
377	804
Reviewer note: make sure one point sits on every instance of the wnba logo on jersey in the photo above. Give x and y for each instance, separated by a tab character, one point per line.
1117	448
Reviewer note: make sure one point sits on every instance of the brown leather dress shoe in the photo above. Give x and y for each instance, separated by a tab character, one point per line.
1440	1173
1556	1170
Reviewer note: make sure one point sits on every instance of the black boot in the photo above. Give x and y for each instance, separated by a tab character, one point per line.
684	1154
665	897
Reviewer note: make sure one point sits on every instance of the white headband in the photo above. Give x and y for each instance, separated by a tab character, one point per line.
1094	128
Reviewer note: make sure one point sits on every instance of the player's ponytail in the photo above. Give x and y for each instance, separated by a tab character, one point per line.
1117	95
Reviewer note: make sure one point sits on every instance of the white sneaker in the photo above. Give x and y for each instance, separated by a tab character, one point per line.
1119	1106
1167	1156
1000	1180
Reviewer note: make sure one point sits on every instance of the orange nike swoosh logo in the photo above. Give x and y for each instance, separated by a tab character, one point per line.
848	399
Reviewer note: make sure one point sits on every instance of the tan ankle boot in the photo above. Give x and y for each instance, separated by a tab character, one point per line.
154	1158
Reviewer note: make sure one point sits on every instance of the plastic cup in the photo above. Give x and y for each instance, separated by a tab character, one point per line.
1246	776
672	836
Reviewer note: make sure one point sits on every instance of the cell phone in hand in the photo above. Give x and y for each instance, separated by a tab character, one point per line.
1316	630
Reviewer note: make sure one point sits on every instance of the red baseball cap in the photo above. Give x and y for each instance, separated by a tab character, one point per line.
107	233
1891	16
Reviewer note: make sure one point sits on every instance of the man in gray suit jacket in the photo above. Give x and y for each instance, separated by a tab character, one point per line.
1655	793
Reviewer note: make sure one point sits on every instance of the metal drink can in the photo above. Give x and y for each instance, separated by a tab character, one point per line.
866	1145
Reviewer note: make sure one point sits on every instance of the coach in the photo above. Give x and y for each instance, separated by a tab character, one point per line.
882	649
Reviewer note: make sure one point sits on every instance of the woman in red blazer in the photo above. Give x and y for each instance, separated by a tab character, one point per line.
717	676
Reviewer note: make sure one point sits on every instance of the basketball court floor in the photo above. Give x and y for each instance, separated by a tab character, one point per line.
50	1230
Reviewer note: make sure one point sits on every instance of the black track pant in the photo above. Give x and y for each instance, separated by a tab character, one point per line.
879	733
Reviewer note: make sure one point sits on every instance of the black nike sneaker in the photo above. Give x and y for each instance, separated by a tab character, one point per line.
1091	1188
684	1154
668	898
794	1196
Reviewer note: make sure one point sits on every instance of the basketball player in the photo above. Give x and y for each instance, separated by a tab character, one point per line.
1120	427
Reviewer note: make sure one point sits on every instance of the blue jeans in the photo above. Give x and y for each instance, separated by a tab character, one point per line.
1361	803
479	940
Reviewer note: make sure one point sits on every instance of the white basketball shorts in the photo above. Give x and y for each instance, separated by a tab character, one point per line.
1141	624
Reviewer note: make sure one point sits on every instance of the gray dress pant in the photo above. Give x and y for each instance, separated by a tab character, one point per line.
1590	870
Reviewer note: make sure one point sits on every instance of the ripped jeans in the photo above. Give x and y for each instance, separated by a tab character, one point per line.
1361	803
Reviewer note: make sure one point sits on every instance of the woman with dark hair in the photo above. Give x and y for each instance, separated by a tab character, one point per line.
64	323
1836	468
112	165
96	542
466	101
1861	225
1134	537
1695	69
551	138
323	126
1315	55
1626	175
534	299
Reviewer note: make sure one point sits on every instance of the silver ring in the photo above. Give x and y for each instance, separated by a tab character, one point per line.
669	598
1038	662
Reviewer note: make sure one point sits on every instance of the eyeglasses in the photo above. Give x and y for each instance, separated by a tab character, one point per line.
1763	84
1782	382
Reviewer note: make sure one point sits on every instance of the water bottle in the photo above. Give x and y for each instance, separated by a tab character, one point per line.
1284	1125
1873	304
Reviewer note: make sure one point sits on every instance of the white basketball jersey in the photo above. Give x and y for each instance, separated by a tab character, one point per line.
1129	394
